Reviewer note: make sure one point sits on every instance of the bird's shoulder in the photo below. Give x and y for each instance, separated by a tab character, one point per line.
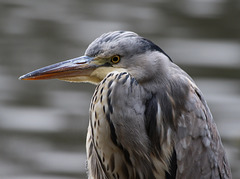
197	142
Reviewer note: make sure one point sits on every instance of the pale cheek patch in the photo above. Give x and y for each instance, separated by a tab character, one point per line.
101	72
79	79
95	77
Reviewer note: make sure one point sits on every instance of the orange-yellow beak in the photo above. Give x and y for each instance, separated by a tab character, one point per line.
77	69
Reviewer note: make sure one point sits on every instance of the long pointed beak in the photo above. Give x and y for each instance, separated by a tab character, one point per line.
80	66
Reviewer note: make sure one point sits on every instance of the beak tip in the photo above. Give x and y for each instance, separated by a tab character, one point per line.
24	77
21	77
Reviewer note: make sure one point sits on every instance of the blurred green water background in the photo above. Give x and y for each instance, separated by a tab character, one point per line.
43	124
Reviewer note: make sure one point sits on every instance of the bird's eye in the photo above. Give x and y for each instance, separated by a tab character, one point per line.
115	59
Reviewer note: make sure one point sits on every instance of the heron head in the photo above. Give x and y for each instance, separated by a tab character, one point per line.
113	51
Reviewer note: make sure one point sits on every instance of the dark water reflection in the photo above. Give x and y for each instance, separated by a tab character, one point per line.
43	123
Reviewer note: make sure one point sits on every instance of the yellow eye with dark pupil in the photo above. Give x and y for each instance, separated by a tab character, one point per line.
115	59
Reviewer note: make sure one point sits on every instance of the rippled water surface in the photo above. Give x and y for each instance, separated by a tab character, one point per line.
43	124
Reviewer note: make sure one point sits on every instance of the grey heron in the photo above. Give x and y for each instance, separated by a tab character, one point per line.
148	119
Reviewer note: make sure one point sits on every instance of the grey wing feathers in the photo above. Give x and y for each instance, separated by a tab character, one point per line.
128	120
198	145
